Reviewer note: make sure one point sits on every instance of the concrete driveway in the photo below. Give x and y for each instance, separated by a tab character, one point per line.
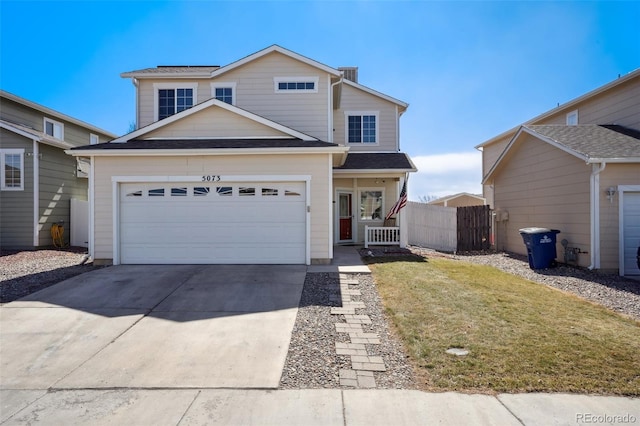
206	326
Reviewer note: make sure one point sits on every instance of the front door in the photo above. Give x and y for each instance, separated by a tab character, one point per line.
346	216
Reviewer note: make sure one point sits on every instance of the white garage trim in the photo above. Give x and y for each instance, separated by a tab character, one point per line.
621	226
118	180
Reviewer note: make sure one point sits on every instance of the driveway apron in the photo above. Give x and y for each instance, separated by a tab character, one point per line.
211	326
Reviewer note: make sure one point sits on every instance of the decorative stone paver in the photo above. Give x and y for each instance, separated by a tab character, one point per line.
362	364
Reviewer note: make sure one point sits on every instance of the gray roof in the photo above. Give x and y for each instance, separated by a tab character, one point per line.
174	69
377	161
594	141
206	144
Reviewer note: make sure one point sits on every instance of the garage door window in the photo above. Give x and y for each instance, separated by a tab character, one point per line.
158	192
200	191
178	192
224	191
247	191
269	192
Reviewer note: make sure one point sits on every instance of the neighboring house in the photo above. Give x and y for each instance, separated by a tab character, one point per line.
273	158
575	168
37	178
462	199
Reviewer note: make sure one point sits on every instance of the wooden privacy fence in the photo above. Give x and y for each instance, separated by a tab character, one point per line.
474	228
449	229
431	226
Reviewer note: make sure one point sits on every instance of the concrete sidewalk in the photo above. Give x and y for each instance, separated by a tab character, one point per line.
308	407
346	260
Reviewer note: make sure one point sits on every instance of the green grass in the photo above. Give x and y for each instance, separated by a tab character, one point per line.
521	336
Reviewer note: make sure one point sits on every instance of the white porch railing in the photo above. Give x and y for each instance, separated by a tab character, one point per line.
381	235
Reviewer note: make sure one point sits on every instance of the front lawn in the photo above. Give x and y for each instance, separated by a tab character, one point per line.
521	336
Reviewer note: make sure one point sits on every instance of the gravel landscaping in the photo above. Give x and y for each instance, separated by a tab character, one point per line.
25	272
312	361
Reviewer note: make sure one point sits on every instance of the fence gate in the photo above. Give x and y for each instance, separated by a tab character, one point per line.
474	228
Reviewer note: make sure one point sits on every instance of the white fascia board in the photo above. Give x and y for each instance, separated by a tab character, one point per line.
27	134
200	152
56	143
56	114
376	172
270	49
614	160
376	93
514	139
206	104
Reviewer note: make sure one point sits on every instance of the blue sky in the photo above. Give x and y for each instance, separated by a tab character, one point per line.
469	70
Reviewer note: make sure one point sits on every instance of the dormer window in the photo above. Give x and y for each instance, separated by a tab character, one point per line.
172	99
295	84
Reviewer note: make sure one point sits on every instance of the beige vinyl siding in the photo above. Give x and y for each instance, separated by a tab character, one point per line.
146	96
16	207
354	99
305	112
542	186
613	175
215	122
314	165
620	105
58	184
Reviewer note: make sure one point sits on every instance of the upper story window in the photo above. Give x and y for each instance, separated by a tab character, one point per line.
172	98
572	118
94	139
362	127
53	128
225	92
295	84
11	169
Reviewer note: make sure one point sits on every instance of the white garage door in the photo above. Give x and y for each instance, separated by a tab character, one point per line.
631	231
218	222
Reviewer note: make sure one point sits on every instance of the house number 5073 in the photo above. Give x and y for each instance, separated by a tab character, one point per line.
211	178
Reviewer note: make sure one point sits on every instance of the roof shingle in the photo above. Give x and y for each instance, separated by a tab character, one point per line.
376	161
594	141
206	144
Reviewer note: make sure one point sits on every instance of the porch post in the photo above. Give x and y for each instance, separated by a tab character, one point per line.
404	231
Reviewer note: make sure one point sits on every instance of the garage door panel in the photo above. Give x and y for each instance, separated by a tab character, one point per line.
213	228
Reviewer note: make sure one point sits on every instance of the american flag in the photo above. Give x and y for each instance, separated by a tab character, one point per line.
402	201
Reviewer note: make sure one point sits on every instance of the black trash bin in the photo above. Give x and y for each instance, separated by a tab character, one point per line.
541	246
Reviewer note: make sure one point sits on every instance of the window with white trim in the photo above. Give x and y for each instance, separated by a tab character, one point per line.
361	127
371	204
225	92
53	128
94	139
12	169
171	98
295	84
572	118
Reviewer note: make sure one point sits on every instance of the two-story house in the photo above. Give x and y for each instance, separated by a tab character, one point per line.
273	158
37	179
575	168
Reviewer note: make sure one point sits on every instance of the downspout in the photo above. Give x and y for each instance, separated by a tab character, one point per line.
136	83
595	214
36	193
330	107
